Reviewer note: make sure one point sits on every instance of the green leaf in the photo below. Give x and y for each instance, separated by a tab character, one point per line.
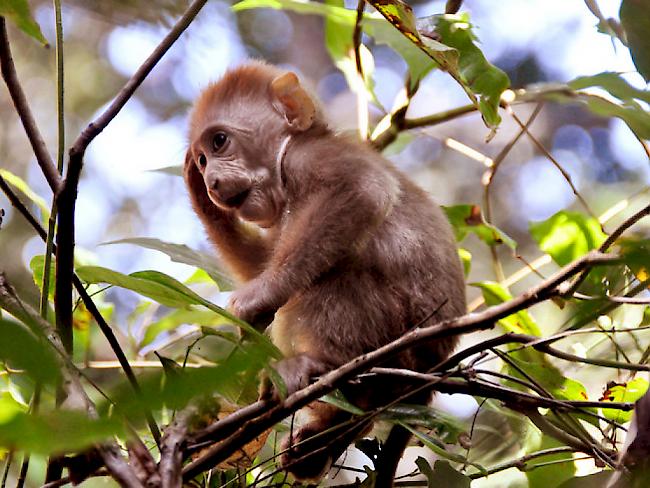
629	111
340	46
337	399
20	184
180	253
520	322
483	79
9	407
636	22
630	391
176	318
167	291
160	288
614	84
442	475
447	427
22	350
630	108
567	236
418	62
466	260
468	218
590	481
553	474
425	469
65	431
18	12
37	265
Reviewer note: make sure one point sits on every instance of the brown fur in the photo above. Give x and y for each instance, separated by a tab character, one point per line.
353	253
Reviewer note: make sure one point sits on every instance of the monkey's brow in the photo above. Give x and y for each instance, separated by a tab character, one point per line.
227	126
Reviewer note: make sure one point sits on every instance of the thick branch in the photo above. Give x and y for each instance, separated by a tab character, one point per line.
24	112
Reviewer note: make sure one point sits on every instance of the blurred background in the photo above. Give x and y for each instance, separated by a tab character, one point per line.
131	185
123	195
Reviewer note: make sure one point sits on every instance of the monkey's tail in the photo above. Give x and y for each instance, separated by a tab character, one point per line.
390	454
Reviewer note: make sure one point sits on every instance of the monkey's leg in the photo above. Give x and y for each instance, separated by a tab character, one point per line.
390	455
393	448
313	447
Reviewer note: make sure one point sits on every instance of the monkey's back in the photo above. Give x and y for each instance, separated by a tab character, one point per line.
405	269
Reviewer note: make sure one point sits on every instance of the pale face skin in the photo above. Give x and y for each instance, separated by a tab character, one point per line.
238	177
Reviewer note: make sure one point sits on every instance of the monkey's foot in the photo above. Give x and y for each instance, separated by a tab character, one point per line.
307	459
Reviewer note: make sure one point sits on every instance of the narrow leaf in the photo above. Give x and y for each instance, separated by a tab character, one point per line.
180	253
20	184
18	12
636	22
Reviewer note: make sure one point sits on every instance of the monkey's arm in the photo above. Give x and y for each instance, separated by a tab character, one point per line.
330	224
243	249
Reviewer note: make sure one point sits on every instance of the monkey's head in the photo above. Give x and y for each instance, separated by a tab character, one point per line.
239	130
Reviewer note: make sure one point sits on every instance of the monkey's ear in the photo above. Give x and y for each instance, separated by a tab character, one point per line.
291	100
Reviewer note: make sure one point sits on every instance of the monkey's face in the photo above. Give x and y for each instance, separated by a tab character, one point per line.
239	173
238	128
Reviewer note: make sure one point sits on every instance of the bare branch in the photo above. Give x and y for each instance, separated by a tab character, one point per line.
24	112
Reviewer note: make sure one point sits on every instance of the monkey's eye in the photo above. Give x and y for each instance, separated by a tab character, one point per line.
203	161
219	141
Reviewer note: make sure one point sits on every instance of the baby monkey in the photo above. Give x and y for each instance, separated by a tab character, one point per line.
329	240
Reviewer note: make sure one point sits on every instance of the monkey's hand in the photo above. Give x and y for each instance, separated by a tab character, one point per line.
256	302
297	372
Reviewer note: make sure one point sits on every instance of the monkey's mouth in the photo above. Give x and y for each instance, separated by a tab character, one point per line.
237	200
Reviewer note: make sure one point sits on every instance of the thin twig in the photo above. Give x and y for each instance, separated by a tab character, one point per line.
487	179
554	161
520	463
389	135
362	93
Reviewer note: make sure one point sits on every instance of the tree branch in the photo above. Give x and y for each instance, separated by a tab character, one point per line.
24	112
329	381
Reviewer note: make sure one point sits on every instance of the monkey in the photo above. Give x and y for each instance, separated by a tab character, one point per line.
333	246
